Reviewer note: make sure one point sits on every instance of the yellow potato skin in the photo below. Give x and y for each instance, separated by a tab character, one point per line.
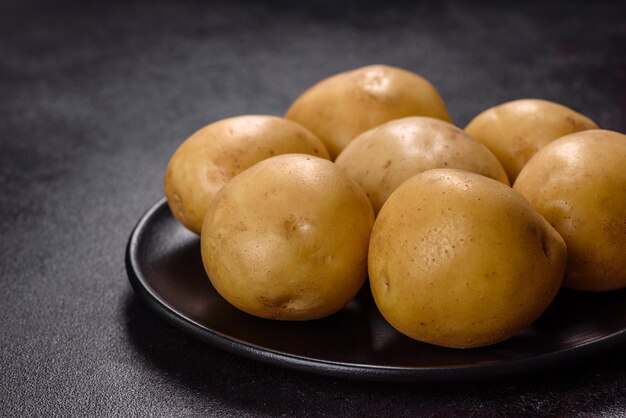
578	183
515	131
216	153
340	107
460	260
385	156
288	238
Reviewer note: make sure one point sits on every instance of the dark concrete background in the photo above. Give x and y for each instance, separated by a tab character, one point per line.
94	98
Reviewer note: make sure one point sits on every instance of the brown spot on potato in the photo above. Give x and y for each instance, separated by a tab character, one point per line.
576	124
293	225
280	302
240	227
386	284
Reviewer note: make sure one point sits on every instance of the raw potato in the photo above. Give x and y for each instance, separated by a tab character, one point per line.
460	260
219	151
288	238
339	108
578	183
515	131
384	157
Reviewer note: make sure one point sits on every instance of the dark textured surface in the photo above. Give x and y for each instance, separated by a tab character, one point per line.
94	97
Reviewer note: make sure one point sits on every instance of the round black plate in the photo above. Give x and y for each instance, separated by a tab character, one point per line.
165	269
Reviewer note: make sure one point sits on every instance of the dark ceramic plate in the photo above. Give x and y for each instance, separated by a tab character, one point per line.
165	269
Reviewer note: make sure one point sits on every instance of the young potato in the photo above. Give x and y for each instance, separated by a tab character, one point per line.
287	238
515	131
339	108
216	153
460	260
578	183
384	157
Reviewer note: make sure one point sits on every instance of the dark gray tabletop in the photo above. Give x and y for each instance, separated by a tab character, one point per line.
95	97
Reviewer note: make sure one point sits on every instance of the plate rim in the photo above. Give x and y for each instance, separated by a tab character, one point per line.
456	373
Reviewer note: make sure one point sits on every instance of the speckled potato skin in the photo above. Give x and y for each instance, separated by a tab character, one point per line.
385	156
460	260
578	183
340	107
216	153
288	238
515	131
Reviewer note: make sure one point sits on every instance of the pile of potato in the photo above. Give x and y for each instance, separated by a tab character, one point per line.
455	255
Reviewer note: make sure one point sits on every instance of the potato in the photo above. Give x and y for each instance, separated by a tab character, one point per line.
216	153
384	157
516	130
341	107
460	260
288	238
578	183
